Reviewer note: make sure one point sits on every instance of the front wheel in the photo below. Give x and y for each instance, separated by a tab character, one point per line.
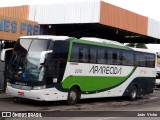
133	93
17	99
73	96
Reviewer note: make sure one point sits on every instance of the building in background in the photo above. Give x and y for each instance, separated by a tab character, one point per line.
88	18
11	28
94	18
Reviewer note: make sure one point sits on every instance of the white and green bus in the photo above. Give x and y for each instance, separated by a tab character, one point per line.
53	68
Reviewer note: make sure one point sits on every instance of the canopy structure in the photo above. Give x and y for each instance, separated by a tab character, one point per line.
93	18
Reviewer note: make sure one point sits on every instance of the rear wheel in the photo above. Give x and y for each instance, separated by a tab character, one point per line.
133	93
73	96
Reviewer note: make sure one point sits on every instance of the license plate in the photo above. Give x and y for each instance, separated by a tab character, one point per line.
21	93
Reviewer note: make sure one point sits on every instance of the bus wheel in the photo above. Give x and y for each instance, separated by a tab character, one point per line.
133	93
73	96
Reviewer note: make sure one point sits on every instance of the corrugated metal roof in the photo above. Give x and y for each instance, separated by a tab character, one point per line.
73	12
153	28
95	11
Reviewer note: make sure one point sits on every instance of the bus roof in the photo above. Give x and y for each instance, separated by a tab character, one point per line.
92	39
153	47
143	50
46	37
105	41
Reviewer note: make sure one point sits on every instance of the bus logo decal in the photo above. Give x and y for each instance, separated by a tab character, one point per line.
105	70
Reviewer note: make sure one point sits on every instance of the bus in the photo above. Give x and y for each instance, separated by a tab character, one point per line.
54	68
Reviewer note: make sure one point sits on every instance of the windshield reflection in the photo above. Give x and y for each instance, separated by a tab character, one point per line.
25	62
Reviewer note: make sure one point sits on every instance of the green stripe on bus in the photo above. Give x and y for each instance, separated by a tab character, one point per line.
94	83
70	51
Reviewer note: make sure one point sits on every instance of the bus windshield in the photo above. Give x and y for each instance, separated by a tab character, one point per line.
25	62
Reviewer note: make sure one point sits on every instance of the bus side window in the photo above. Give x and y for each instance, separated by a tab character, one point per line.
116	56
101	56
150	60
75	53
143	60
80	53
137	59
110	56
83	54
127	58
93	55
140	60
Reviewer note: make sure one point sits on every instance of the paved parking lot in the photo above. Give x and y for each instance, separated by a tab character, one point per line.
151	103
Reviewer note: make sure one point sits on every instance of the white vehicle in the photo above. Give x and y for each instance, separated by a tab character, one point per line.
53	68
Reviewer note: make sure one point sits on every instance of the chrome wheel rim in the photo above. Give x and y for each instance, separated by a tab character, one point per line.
73	95
134	93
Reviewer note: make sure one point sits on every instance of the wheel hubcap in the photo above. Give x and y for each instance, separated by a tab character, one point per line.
134	92
73	95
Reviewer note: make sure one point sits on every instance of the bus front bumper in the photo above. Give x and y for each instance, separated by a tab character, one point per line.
39	95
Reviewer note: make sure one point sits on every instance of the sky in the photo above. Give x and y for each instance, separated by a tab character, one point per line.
149	8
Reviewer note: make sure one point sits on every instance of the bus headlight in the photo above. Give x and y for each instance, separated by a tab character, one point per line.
39	87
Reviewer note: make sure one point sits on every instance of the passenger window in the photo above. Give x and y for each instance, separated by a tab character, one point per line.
140	60
116	57
79	53
101	56
75	54
83	54
127	58
150	60
93	55
110	56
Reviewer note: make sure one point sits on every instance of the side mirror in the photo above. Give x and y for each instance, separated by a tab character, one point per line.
43	55
4	54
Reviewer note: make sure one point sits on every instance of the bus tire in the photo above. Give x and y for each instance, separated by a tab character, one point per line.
133	93
17	99
73	96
